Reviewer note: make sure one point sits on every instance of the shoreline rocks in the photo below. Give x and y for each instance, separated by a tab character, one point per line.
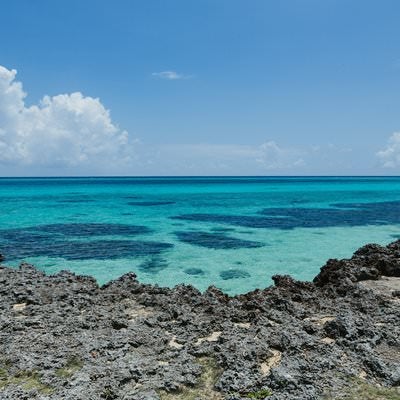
338	337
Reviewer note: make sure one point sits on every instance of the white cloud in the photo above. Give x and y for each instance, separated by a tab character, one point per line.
169	75
390	156
66	130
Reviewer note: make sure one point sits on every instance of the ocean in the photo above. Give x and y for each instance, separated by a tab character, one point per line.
231	232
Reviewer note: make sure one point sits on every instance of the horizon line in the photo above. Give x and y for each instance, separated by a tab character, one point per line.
193	176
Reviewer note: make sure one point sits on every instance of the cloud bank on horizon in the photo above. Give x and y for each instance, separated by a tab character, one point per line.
73	133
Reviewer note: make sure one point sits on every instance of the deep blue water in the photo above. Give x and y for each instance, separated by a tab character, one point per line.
232	232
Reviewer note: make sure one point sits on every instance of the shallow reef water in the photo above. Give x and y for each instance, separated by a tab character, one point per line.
231	232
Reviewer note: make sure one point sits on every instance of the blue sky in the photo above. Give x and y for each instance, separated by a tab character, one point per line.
222	87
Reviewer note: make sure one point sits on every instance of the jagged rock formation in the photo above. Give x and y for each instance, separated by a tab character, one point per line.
64	337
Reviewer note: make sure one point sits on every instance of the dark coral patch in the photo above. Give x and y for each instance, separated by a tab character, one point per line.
154	265
233	274
194	271
51	241
15	242
346	214
77	250
112	249
90	229
215	240
24	237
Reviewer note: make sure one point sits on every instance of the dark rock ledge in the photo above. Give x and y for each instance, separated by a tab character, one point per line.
64	337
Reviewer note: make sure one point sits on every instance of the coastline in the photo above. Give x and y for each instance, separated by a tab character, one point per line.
65	337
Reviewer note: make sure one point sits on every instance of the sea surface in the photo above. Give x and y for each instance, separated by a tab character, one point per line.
231	232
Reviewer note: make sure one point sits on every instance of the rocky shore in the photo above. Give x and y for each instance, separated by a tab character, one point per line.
338	337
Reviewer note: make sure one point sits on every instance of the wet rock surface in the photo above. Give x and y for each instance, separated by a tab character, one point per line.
64	337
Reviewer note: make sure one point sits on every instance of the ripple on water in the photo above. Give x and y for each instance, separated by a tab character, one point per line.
75	201
150	203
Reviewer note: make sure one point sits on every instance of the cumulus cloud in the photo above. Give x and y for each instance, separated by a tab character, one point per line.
390	156
169	75
66	130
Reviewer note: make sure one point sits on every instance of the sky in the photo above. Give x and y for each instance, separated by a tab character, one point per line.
199	87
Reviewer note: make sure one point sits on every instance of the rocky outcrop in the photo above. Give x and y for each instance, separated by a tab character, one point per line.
368	263
64	337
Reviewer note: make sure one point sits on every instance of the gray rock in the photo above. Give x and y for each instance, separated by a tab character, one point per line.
65	337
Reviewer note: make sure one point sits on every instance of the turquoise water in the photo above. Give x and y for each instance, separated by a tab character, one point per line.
234	233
